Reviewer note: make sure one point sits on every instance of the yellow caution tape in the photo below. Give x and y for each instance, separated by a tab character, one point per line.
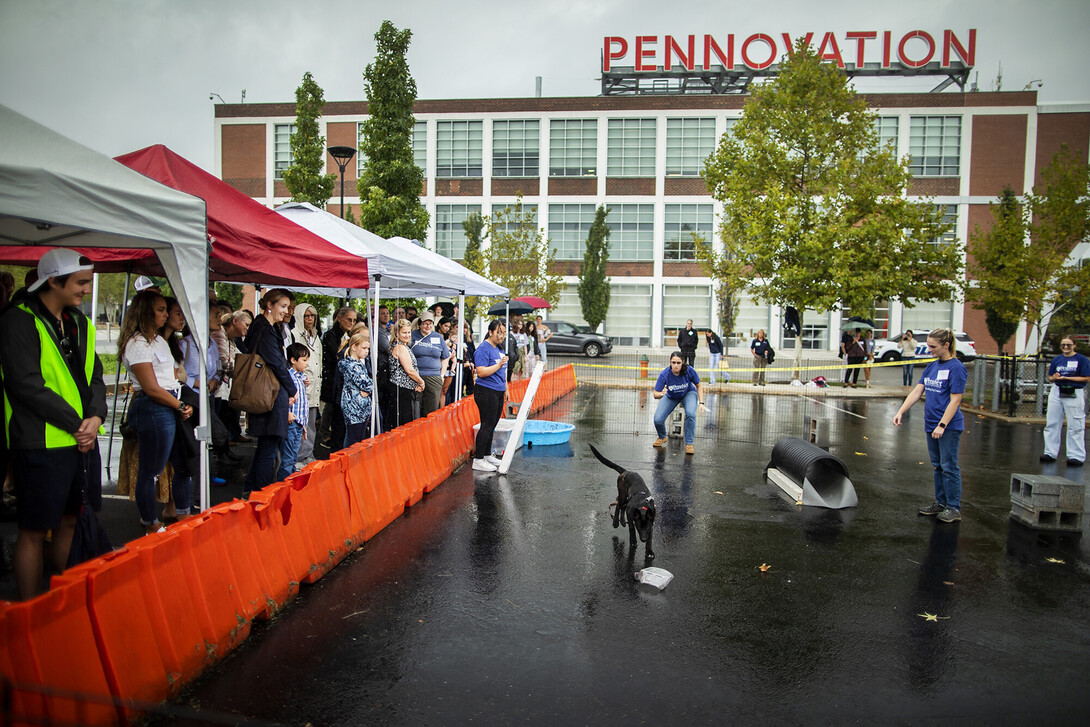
751	369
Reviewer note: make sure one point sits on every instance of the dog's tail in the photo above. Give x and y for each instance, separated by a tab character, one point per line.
606	462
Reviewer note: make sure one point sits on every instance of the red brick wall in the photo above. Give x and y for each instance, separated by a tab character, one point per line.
630	185
934	186
978	331
1055	130
573	185
684	185
244	158
682	270
979	216
565	267
459	187
338	134
998	154
528	187
627	269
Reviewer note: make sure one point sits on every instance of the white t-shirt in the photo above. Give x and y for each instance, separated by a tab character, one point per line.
157	353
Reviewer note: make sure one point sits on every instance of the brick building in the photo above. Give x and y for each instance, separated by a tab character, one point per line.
641	155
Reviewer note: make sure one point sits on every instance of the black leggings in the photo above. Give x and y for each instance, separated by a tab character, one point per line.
490	406
852	375
406	406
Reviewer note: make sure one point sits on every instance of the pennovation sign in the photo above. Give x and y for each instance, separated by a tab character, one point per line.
853	50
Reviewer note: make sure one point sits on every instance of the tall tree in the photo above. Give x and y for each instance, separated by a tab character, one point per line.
998	260
814	211
519	257
475	230
390	183
593	283
1060	219
304	176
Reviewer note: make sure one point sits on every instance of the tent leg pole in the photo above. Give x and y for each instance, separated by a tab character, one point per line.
374	353
460	347
117	381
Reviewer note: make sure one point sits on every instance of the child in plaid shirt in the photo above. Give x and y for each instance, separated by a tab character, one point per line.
298	409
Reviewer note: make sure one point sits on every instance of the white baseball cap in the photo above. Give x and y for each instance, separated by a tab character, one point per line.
143	283
57	262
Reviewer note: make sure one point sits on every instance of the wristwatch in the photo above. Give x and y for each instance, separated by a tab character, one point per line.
181	405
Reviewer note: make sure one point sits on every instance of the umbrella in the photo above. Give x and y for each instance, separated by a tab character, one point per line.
446	308
533	300
518	307
854	325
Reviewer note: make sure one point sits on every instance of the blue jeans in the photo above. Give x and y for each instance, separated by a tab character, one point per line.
666	405
944	458
715	358
289	449
155	425
263	467
906	373
354	433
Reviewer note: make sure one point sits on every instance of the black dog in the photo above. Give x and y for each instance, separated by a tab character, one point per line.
634	504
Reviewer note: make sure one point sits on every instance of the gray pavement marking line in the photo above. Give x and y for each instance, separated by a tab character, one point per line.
816	401
115	497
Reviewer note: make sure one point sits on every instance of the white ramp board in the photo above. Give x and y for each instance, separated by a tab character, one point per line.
523	415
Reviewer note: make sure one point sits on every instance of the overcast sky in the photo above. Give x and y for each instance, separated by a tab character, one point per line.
119	75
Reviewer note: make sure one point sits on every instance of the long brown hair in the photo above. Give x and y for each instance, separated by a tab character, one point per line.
140	318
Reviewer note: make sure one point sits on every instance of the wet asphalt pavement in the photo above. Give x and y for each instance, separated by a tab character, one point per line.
511	600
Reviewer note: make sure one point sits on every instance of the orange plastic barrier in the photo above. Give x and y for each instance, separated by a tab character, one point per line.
276	514
49	641
263	585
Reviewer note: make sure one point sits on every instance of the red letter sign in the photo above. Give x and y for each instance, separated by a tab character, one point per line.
860	37
926	37
771	51
609	55
950	40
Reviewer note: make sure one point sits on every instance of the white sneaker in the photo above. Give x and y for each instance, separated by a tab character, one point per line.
493	460
483	465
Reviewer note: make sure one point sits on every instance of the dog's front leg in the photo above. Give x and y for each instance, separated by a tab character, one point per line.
649	554
631	532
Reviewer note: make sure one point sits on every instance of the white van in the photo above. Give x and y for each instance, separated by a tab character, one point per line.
889	349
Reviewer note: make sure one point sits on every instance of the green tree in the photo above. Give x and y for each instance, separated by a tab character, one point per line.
593	283
998	266
518	256
475	231
814	211
1060	219
304	176
390	183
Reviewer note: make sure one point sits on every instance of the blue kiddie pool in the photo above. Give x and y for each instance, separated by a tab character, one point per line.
538	432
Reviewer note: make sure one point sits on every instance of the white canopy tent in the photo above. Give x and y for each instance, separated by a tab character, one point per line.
397	264
57	193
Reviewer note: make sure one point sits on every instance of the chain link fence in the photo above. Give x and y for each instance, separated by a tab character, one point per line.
1014	386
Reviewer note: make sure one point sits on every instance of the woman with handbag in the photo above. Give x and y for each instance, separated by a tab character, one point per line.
403	373
156	408
266	339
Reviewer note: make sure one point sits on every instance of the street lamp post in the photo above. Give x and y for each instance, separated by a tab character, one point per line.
342	155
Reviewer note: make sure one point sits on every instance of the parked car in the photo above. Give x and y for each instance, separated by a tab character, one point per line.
889	349
570	338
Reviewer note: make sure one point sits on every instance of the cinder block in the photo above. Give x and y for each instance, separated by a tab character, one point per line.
1045	518
1048	491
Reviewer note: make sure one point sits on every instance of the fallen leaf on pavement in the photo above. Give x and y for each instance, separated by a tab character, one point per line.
763	567
931	617
1054	560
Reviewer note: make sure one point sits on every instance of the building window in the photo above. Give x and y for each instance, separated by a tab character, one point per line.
515	148
949	217
630	151
569	226
682	302
569	308
629	319
688	144
751	317
815	336
927	316
282	148
510	226
631	231
934	142
361	158
420	145
886	128
450	237
682	221
573	148
458	149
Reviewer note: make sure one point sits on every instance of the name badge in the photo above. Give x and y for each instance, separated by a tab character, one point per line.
943	375
160	357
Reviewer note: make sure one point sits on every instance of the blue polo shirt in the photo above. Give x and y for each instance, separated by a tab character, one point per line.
676	387
1077	365
941	379
430	351
488	355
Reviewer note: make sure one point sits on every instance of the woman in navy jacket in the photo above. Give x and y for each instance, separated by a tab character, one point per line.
266	338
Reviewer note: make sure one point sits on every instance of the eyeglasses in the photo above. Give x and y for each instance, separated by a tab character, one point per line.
1067	345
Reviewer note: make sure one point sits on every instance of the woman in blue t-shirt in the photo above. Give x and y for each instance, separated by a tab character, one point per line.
678	384
944	381
1068	373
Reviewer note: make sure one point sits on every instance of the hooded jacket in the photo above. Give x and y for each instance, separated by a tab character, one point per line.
313	341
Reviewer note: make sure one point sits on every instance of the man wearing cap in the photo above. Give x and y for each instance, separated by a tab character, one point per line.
432	357
54	404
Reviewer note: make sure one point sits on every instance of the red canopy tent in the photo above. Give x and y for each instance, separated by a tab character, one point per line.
249	242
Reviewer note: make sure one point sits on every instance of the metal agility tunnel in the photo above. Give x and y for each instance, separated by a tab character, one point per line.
810	475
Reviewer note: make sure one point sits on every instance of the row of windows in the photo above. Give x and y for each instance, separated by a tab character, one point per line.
631	226
934	145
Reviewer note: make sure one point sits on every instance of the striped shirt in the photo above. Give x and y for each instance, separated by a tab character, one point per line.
301	407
